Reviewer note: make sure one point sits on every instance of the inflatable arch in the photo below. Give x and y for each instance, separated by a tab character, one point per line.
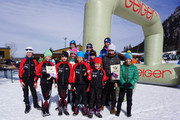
97	26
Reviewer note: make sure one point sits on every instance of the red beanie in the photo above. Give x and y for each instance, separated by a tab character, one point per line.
98	60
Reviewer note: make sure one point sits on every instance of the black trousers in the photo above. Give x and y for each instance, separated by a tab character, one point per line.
63	95
29	84
81	92
109	90
129	93
95	97
46	91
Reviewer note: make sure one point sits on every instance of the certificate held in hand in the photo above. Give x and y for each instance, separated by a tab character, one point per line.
52	71
115	70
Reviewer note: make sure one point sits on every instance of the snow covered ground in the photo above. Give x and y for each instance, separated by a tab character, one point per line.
149	103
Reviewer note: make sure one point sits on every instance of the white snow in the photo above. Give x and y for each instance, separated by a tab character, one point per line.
149	103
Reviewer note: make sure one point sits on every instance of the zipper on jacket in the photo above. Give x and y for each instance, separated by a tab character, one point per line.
127	75
80	74
63	74
29	69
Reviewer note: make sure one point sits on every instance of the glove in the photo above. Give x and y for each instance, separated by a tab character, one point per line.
127	85
47	75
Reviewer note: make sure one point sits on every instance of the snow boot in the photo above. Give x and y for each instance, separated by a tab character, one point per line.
102	107
85	112
27	109
97	113
36	106
76	111
129	111
129	115
117	114
60	110
113	110
90	115
65	111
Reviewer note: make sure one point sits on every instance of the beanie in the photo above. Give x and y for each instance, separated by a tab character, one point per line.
107	40
98	60
112	47
89	45
29	49
92	53
128	55
64	54
74	50
80	54
47	53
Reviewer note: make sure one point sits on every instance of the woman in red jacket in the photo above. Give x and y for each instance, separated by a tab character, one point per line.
80	72
46	81
63	80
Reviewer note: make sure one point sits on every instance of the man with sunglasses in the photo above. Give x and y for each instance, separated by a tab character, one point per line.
28	79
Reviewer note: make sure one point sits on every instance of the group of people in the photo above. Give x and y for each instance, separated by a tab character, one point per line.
82	80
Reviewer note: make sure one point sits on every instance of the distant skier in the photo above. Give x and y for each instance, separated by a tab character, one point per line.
27	77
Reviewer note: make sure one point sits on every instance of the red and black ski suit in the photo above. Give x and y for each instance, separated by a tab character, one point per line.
97	78
80	73
27	75
64	72
46	85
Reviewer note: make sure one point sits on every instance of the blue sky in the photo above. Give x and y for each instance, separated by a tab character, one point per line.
43	24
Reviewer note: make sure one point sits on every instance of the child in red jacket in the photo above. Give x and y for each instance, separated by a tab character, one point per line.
46	81
63	80
80	72
97	77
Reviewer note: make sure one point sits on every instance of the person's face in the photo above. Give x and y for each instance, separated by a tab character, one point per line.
97	65
107	44
89	49
111	52
92	57
73	55
128	61
48	58
29	54
64	59
79	59
72	46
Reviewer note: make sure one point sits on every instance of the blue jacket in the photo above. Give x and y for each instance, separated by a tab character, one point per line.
86	56
104	52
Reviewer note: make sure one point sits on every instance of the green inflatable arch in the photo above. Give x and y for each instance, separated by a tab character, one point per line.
97	26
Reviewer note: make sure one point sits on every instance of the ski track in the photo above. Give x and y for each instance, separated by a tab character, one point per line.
150	102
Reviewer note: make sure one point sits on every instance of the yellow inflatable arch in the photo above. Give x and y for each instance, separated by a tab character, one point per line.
97	26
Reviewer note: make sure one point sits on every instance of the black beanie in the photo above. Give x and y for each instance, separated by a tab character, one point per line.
64	54
92	53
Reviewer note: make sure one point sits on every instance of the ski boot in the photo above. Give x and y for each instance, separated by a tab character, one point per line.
90	115
97	113
65	111
27	109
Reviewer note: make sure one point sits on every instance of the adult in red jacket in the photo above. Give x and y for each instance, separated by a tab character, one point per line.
97	77
46	81
63	80
80	72
27	77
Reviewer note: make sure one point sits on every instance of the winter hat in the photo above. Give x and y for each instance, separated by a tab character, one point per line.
89	45
92	53
47	53
80	54
112	47
98	60
74	50
128	55
64	54
72	42
29	49
107	40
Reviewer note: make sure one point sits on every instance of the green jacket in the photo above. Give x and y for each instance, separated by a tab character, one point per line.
128	74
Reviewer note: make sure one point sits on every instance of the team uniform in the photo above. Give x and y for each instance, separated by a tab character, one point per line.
80	72
64	70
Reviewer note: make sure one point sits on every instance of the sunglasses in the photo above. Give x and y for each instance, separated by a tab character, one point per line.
28	49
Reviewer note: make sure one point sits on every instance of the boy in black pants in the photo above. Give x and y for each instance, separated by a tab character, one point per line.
63	80
97	76
80	72
27	75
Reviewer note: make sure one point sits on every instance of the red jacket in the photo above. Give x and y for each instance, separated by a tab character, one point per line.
64	73
41	71
80	72
27	69
97	78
